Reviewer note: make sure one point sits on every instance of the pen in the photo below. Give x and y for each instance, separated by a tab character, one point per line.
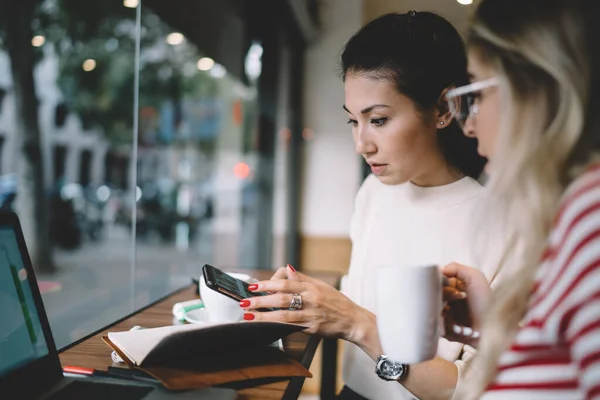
129	373
118	373
77	372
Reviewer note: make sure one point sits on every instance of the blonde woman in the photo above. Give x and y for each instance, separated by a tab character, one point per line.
534	106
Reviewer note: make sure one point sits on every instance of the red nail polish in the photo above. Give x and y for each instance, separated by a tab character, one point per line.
245	303
290	267
253	287
248	317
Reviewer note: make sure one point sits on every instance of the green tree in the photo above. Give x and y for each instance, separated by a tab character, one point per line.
31	203
103	30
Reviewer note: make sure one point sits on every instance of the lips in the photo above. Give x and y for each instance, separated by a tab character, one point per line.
377	168
376	165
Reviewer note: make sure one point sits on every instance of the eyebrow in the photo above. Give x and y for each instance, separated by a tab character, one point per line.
368	109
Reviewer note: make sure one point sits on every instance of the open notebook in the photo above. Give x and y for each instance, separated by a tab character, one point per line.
195	356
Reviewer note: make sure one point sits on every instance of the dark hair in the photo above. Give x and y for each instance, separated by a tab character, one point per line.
422	54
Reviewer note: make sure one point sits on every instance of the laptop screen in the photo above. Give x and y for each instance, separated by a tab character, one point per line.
21	336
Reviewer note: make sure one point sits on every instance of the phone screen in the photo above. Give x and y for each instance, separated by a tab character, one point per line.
226	284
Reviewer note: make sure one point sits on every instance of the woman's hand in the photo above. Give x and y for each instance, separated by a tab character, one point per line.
325	310
467	293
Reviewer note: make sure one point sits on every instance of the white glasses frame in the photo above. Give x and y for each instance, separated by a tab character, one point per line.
472	87
466	89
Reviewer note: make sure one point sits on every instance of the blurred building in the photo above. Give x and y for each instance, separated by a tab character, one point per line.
74	154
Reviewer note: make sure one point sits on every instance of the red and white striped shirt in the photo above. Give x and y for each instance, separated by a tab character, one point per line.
556	353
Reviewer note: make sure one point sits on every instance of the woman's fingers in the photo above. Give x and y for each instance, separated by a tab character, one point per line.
451	293
277	300
294	317
278	285
465	332
456	283
453	289
456	270
457	332
281	273
289	272
457	328
463	276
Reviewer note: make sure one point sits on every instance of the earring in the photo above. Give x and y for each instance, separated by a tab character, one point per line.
441	122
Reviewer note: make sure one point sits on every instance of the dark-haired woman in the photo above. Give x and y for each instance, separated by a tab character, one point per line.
413	210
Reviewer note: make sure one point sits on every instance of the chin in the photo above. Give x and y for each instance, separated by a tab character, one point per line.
392	179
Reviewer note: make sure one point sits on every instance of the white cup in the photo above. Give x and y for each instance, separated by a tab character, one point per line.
408	309
220	308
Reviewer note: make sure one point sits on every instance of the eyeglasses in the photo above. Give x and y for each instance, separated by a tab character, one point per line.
464	100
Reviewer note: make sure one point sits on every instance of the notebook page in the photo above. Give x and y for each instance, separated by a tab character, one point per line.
137	344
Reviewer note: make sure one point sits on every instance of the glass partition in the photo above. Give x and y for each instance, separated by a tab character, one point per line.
79	117
127	180
196	163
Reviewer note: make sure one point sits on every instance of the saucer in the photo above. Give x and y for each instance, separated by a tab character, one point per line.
197	316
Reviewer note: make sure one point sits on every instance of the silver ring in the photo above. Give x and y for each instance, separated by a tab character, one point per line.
296	303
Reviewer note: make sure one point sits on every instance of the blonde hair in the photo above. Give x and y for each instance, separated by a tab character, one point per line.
539	50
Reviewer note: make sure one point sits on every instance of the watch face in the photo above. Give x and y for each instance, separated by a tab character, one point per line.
389	370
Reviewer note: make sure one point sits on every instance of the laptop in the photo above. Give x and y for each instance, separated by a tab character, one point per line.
29	363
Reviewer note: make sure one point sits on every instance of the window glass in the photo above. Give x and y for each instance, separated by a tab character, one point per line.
113	224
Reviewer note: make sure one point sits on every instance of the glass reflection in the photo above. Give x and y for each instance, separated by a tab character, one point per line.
82	66
195	160
197	167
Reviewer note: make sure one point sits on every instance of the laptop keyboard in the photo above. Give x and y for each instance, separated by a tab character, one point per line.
78	390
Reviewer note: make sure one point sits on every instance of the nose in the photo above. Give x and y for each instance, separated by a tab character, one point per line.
469	128
363	142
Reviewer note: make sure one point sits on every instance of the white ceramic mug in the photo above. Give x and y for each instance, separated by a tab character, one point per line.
220	308
408	309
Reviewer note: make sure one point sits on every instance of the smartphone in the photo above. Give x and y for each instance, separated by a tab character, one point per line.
227	285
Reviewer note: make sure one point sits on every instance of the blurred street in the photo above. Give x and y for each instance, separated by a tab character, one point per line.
95	280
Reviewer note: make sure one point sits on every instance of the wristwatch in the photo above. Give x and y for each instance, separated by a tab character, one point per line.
389	370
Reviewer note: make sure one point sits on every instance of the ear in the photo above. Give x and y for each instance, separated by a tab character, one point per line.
444	116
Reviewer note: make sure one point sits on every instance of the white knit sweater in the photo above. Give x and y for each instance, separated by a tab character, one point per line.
404	225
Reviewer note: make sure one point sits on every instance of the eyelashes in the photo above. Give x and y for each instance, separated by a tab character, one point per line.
375	121
378	121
